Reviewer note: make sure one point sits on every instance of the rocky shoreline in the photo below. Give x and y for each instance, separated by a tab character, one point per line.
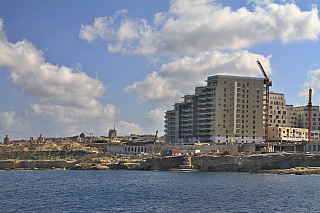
276	163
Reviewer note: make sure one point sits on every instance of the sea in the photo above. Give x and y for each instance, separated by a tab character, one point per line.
156	191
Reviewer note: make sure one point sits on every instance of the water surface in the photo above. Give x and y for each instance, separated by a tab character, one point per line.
147	191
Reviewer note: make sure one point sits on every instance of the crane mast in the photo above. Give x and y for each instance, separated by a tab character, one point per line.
154	142
266	118
309	115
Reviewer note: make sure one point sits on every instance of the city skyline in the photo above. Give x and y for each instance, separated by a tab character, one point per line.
72	67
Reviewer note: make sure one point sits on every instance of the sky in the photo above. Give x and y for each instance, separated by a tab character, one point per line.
68	67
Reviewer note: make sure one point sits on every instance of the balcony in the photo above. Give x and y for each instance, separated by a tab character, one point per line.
169	125
205	112
170	115
169	120
203	133
186	120
186	125
205	121
186	115
203	128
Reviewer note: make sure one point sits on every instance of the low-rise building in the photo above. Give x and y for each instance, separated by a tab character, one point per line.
279	134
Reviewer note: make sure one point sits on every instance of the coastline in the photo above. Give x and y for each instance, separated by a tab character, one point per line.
275	163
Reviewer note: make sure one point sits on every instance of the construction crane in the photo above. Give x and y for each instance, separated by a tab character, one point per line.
154	142
309	115
268	84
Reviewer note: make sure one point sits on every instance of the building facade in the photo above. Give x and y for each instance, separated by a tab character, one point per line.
277	134
227	109
281	114
303	118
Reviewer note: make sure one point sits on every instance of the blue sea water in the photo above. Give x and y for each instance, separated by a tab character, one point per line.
148	191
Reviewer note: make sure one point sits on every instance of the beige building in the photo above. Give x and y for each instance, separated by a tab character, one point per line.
302	113
227	109
281	114
292	134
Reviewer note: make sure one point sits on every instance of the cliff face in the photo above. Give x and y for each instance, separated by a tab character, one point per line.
245	163
254	163
250	163
36	164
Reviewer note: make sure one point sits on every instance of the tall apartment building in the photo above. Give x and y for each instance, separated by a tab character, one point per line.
281	114
227	109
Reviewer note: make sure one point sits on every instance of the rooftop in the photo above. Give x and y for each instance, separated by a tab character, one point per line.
231	76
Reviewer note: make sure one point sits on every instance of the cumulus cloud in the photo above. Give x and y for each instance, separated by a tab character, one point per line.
59	85
9	122
181	75
126	128
260	2
156	116
68	96
194	26
312	82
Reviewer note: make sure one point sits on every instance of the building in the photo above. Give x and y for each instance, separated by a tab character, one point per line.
302	113
281	114
227	109
277	134
113	133
6	140
288	123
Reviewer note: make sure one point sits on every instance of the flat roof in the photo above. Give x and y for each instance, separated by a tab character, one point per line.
232	76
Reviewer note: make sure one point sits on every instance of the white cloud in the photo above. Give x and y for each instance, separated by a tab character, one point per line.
260	2
313	83
125	128
71	120
9	122
156	116
68	95
195	26
182	74
59	85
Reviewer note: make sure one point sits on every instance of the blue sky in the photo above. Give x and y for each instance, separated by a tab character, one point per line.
68	67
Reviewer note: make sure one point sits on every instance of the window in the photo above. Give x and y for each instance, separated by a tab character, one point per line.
254	112
224	90
254	132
